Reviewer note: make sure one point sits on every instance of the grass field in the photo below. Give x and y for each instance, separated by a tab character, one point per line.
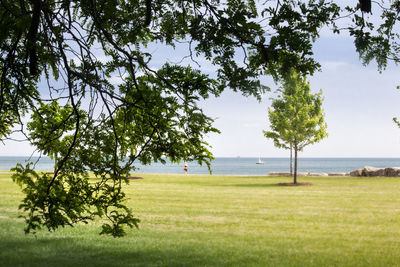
224	221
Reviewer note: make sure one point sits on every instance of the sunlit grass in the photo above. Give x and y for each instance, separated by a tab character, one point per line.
200	220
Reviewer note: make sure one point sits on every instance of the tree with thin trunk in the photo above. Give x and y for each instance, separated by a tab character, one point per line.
291	160
296	116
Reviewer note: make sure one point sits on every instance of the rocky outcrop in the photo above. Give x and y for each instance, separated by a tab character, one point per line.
317	174
356	173
300	174
369	171
288	174
338	174
372	171
392	172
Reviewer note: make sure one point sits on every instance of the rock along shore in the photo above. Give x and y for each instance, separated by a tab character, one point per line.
313	174
367	171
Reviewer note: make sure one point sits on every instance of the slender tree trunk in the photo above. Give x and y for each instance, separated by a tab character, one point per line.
291	160
295	163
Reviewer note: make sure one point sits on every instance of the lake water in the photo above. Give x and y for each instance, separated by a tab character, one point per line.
236	166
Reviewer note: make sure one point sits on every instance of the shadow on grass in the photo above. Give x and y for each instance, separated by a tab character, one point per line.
248	185
266	185
256	185
101	252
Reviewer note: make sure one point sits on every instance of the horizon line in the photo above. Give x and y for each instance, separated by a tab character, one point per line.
263	157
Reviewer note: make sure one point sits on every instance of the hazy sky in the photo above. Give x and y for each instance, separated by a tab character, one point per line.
359	105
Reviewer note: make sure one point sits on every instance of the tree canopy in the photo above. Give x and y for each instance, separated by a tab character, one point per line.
296	116
83	74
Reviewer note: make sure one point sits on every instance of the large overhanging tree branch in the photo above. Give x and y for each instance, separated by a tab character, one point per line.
57	63
377	39
57	60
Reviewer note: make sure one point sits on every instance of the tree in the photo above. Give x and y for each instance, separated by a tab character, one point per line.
57	63
296	116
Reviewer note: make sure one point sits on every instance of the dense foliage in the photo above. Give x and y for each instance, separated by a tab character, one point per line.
81	82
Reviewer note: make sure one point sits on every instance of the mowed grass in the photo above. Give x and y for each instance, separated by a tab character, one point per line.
207	220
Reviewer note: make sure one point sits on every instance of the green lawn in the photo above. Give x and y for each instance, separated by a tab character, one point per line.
224	221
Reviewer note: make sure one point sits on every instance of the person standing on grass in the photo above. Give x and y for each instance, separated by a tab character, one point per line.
185	168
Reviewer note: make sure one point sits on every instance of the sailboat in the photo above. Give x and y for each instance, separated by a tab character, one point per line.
259	161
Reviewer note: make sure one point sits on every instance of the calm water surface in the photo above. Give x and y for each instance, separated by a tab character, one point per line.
237	166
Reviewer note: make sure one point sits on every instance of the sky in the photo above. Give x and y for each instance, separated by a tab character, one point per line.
359	105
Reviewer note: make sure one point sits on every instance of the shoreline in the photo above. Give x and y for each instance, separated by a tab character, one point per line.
354	174
237	166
